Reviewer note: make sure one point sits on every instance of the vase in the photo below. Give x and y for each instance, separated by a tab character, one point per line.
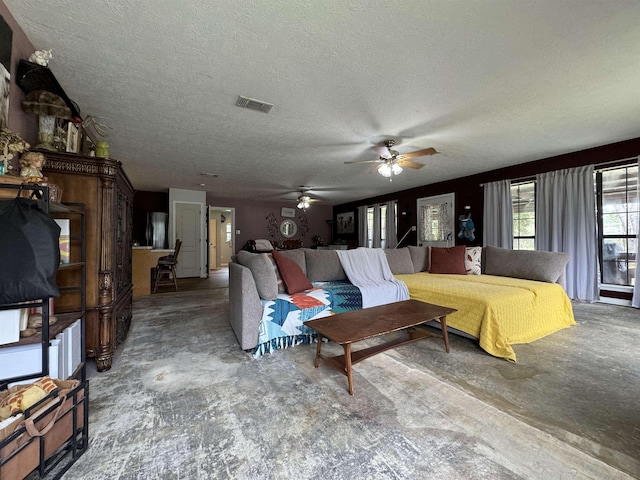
47	125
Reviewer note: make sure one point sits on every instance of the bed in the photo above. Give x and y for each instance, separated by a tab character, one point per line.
498	311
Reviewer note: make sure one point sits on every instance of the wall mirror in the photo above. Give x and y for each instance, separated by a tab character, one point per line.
288	228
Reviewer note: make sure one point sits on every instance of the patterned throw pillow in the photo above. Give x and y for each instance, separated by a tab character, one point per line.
472	260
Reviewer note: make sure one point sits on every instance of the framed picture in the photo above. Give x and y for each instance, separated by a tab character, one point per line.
288	212
73	138
345	223
6	37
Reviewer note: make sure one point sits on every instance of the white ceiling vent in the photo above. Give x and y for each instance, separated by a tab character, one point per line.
253	104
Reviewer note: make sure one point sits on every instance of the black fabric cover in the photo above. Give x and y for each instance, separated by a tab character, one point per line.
29	252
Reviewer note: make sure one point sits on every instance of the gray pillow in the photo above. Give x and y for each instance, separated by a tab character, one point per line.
263	273
399	260
526	264
419	258
323	265
297	255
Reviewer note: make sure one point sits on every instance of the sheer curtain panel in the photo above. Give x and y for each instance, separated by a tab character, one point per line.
566	222
363	230
391	228
636	288
498	215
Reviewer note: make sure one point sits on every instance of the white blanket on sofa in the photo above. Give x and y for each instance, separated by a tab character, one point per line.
368	269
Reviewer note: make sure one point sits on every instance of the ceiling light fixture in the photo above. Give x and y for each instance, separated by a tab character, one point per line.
303	202
389	168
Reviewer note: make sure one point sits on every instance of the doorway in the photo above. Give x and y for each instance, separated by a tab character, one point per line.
221	237
188	229
436	221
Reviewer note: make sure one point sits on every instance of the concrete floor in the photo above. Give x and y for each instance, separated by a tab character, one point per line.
580	385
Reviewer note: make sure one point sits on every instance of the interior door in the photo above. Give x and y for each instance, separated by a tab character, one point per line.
436	221
213	243
188	229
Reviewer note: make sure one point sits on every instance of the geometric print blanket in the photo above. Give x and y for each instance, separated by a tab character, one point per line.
282	323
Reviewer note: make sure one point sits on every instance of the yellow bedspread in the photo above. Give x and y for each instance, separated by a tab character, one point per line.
499	311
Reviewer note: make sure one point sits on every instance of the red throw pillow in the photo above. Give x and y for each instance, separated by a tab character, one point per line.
448	260
292	275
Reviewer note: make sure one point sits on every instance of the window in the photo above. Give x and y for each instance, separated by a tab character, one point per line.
523	199
436	220
617	224
377	224
228	232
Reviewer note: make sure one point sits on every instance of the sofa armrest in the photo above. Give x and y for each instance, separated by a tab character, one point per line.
245	308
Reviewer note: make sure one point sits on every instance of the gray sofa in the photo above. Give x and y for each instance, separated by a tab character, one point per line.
252	279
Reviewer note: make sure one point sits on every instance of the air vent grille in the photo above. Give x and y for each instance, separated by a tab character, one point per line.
253	104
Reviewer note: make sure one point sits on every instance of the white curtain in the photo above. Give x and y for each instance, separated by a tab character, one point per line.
376	243
497	228
391	225
566	222
636	289
363	231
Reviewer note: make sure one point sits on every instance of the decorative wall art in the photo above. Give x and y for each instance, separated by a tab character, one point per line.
288	212
345	223
73	138
6	37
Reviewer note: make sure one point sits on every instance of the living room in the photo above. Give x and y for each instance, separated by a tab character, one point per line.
254	168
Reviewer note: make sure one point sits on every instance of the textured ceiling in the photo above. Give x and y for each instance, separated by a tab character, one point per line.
488	84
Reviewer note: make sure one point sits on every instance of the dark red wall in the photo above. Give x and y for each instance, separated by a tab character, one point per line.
469	192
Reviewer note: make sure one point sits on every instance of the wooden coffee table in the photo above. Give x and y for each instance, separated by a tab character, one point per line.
350	327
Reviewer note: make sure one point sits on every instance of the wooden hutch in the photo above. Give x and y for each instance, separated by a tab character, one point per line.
102	185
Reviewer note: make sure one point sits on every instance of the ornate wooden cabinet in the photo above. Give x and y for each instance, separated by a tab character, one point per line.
102	185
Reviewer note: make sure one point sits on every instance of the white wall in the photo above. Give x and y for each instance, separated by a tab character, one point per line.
177	195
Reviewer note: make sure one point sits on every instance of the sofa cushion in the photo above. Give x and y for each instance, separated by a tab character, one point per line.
399	260
263	273
279	281
292	275
297	255
472	260
448	260
525	264
419	258
323	265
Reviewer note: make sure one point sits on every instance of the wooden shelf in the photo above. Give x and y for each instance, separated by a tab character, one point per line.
64	320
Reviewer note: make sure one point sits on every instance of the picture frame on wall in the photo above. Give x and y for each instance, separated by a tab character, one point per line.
73	138
345	223
288	212
6	38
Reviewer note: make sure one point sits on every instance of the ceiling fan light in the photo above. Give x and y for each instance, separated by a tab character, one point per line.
385	170
396	169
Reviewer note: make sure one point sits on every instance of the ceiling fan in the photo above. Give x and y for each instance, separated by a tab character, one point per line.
304	200
392	162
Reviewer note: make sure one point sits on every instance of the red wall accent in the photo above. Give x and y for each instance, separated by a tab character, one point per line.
469	192
24	124
251	219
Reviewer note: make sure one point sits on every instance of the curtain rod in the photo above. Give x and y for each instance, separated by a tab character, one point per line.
596	166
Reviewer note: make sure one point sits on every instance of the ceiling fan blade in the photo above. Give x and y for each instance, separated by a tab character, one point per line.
418	153
409	164
379	160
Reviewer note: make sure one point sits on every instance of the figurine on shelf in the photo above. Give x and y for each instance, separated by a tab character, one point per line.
31	163
41	57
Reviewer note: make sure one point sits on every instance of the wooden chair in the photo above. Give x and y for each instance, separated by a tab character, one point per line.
166	269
